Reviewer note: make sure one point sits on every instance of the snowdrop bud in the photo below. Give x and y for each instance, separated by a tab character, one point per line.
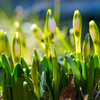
52	25
37	32
77	22
94	32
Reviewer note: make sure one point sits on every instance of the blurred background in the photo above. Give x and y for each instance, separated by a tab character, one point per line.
28	12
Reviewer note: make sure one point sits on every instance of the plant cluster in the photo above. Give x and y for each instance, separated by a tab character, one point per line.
46	77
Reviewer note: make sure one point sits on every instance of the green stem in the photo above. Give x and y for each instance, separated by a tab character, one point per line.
78	47
96	48
46	42
55	67
41	44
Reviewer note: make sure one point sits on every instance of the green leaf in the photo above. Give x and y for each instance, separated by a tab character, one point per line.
24	65
84	75
7	44
79	65
47	88
90	77
74	67
48	71
96	68
63	81
27	93
36	57
61	63
18	71
29	81
18	88
41	85
7	67
7	90
41	67
96	61
60	82
1	73
65	64
18	80
34	75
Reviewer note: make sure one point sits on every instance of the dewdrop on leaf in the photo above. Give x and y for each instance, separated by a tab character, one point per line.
52	25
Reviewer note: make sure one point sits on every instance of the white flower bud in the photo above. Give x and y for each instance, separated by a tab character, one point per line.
37	32
93	30
77	21
52	25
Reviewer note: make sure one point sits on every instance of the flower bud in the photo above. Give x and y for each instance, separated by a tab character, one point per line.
16	48
77	22
37	32
86	46
94	32
50	22
52	25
